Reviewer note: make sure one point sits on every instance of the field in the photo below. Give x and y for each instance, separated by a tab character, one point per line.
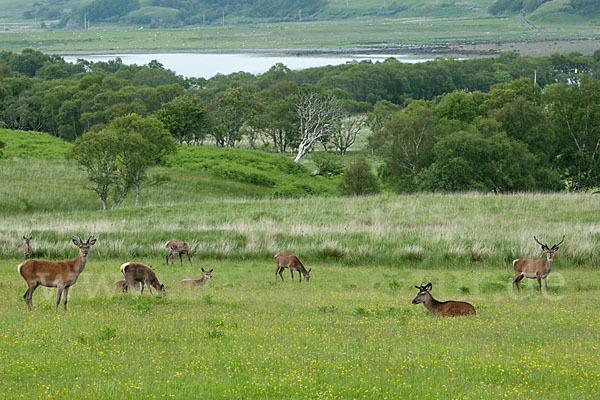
498	34
351	332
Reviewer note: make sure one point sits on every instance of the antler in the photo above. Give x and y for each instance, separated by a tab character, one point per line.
540	243
557	244
77	238
90	238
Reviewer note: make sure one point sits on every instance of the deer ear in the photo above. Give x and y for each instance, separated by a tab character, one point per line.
31	237
203	270
24	237
428	287
310	269
211	270
76	240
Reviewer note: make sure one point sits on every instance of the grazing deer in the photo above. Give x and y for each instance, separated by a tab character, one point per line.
177	247
59	274
442	309
198	282
27	251
290	261
142	274
535	268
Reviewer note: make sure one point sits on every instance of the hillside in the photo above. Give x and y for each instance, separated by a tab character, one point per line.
194	174
174	13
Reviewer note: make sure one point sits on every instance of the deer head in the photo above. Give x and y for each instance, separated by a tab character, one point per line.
549	250
423	293
84	247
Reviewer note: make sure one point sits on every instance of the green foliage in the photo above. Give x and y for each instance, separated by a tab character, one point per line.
33	145
186	118
516	6
2	145
327	164
586	7
278	172
117	158
359	179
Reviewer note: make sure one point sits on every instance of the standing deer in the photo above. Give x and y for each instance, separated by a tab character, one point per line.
59	274
177	247
27	251
290	261
198	282
442	309
535	268
142	274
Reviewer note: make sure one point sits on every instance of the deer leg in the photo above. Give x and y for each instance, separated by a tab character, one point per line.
546	284
189	258
281	273
149	288
516	281
59	290
65	294
276	271
539	279
126	286
168	254
141	288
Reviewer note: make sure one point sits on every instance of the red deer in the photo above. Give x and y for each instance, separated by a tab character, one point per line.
290	261
142	274
59	274
535	268
177	247
119	284
27	251
442	309
198	282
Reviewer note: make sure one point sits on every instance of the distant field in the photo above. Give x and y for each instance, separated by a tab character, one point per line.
335	35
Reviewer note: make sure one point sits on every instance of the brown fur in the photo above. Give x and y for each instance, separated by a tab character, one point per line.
140	273
59	274
198	282
535	268
291	262
442	309
177	247
27	250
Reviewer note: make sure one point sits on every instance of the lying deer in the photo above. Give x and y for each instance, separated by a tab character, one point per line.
177	247
198	282
119	284
141	274
59	274
27	251
290	261
442	309
535	268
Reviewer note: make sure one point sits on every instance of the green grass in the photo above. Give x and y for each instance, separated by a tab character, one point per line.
346	334
351	332
366	33
33	145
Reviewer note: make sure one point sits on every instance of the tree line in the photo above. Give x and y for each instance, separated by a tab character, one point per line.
451	125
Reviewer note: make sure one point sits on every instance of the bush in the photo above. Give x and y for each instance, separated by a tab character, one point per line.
328	164
359	179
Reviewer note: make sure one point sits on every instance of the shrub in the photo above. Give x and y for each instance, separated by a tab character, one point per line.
328	164
359	179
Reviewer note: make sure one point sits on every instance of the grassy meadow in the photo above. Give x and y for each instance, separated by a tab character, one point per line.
351	332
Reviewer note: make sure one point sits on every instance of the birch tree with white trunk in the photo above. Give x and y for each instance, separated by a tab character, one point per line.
318	115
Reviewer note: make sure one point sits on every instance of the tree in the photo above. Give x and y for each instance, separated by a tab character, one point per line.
2	145
358	178
344	134
118	157
145	143
318	115
185	118
405	143
232	108
575	115
278	119
97	152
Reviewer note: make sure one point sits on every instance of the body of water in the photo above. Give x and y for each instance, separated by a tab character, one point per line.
200	65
